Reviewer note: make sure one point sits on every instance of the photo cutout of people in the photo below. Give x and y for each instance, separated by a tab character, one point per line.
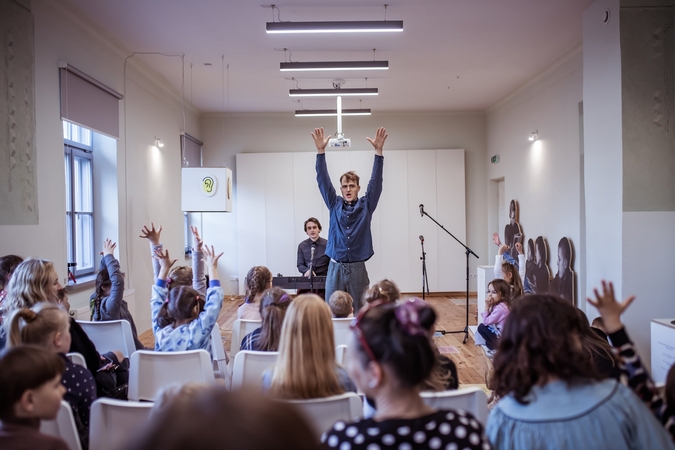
530	264
512	231
538	273
563	283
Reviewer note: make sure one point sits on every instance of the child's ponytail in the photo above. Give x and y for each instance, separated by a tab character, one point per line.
20	318
36	326
163	317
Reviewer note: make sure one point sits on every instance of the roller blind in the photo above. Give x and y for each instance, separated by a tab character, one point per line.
192	151
88	102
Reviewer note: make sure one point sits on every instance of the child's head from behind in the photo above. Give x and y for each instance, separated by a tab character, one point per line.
385	291
183	305
30	383
512	277
180	276
33	281
273	306
8	264
45	325
103	283
499	291
341	304
258	279
176	395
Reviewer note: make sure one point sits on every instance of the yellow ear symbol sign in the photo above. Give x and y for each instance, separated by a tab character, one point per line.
209	185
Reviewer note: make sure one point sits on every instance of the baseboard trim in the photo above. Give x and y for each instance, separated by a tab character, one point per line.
453	294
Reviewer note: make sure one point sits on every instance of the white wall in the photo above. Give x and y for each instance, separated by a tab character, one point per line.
153	177
225	136
542	176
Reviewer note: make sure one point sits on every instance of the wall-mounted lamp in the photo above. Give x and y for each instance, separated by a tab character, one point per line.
159	143
534	136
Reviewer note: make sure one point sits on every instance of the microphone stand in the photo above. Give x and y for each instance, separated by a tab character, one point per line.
311	272
425	279
468	252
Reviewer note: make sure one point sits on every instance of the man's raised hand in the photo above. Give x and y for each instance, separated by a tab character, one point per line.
320	141
378	143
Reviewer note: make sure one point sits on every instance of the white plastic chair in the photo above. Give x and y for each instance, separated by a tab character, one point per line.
110	335
322	413
151	371
249	367
77	358
63	427
341	330
240	328
472	400
341	355
112	422
219	354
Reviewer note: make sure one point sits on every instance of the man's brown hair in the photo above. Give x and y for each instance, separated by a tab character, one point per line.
312	219
350	176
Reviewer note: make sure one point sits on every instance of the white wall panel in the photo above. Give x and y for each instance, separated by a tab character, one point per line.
251	221
451	205
307	201
279	220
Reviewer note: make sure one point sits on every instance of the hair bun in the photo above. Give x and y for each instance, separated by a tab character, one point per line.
29	315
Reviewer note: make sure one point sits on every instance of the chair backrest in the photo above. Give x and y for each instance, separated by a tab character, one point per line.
151	371
110	335
77	358
471	399
341	330
63	427
219	354
240	328
250	366
322	413
341	355
112	422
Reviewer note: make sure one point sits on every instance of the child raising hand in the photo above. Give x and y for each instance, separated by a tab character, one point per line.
181	318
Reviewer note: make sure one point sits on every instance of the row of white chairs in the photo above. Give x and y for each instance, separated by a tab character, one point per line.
114	421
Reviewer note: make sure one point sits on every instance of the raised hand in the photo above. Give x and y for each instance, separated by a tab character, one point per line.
165	263
197	239
108	247
211	262
519	248
378	143
503	249
151	234
320	141
496	240
609	308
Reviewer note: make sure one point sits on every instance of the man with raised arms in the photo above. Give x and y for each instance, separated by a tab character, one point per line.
350	242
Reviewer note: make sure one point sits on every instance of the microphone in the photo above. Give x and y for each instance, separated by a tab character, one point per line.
311	257
421	210
421	239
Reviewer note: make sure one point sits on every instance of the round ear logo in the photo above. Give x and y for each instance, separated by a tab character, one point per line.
208	186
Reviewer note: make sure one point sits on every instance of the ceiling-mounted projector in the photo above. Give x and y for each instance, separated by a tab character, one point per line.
339	141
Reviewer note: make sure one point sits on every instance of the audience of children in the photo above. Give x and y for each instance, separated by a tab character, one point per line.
497	307
635	374
388	357
107	302
30	391
306	367
215	418
35	281
47	326
552	396
181	318
341	305
257	281
273	306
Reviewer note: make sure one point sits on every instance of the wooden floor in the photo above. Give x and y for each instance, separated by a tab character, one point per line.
470	361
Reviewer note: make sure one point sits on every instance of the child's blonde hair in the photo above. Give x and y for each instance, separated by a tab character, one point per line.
37	326
32	282
180	276
341	304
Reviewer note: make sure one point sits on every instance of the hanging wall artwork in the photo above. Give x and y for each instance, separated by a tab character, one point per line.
562	284
18	180
512	231
537	272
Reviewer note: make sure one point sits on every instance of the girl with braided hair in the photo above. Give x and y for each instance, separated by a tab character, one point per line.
258	280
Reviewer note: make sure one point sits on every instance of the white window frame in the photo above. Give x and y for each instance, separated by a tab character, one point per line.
77	144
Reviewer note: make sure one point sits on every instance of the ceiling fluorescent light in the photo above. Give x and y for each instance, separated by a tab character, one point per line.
334	65
332	92
366	26
330	112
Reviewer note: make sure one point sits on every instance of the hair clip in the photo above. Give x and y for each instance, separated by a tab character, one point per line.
197	297
407	315
168	280
284	298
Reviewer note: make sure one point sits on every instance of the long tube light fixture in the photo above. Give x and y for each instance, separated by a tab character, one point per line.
364	26
330	112
332	92
334	65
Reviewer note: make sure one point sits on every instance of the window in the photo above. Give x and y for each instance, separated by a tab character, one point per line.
79	166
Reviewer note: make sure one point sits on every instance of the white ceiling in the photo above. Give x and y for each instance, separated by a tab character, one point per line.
453	55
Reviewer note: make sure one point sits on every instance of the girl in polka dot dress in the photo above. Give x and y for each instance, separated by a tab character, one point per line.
46	325
388	356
